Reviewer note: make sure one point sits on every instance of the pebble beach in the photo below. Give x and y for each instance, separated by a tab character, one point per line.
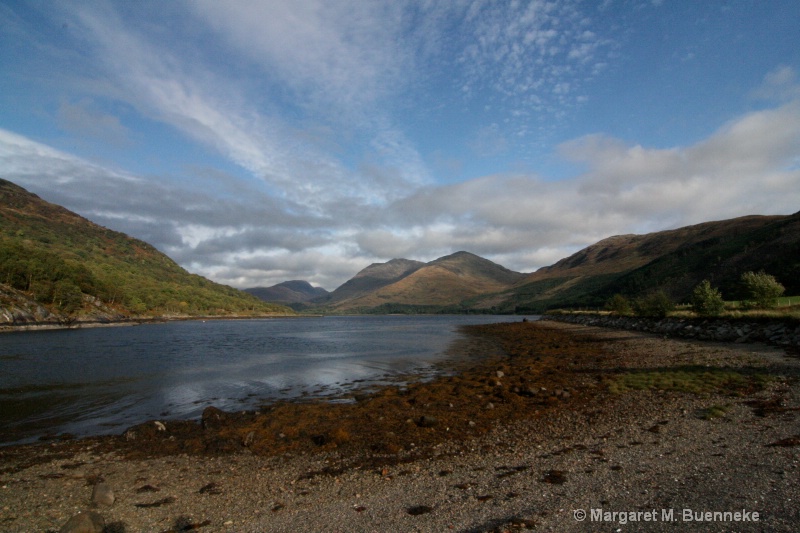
539	426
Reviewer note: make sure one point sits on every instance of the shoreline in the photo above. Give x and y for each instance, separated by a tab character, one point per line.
527	460
48	326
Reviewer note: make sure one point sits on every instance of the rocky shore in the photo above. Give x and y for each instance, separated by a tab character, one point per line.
536	424
780	332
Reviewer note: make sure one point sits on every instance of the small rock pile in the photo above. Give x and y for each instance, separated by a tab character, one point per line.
784	332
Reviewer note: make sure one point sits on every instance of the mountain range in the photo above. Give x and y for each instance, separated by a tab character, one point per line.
56	266
673	261
295	291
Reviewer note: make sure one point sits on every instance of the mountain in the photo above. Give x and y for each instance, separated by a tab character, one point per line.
56	266
373	278
674	261
289	292
402	285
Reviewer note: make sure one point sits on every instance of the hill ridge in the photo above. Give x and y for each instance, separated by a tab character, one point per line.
77	270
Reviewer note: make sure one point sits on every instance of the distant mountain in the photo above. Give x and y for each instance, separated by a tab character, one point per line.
373	278
56	266
674	261
289	292
407	286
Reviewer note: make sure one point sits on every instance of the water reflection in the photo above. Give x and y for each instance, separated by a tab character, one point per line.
95	381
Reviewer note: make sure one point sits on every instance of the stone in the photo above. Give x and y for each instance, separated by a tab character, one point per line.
426	421
500	373
88	522
213	418
102	495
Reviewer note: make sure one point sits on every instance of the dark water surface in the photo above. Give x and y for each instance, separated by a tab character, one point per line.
103	380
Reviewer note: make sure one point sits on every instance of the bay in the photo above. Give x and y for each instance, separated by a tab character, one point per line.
98	381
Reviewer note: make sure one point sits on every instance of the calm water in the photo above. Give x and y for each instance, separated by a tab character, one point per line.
103	380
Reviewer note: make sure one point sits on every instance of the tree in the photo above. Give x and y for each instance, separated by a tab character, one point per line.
706	300
762	289
619	305
654	305
67	296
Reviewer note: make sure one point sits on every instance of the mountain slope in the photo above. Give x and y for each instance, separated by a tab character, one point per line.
296	291
76	269
674	261
447	281
373	278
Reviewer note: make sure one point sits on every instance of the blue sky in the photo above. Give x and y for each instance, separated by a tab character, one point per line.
261	141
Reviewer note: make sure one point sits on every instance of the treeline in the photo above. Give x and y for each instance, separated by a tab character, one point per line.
761	291
50	279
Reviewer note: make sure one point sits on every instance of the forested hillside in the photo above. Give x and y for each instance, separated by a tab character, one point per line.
74	268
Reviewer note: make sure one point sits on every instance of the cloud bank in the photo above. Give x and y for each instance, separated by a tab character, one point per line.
289	140
523	221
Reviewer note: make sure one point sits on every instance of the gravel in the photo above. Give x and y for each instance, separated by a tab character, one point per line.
621	458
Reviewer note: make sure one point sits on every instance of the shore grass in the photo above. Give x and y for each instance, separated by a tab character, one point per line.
692	379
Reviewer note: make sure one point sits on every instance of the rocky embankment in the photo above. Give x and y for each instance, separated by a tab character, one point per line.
785	332
19	311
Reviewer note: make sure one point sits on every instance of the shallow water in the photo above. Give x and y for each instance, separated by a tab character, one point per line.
102	380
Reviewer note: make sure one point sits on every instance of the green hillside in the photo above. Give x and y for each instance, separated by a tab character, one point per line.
75	268
675	262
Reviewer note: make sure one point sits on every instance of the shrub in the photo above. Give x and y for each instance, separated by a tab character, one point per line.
619	305
706	300
762	289
654	305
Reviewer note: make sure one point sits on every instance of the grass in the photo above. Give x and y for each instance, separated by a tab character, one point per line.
788	307
715	411
691	379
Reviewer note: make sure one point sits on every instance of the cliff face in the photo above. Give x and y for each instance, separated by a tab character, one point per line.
16	308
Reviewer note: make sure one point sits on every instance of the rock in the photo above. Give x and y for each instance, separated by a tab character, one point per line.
427	421
213	418
223	445
500	373
102	495
88	522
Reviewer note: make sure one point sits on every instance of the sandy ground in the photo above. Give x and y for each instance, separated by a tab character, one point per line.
638	460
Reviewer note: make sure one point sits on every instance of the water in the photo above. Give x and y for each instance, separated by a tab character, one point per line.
103	380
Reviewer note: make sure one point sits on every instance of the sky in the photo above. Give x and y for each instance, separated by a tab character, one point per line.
256	142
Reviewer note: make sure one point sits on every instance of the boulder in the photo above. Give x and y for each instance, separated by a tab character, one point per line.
102	495
88	522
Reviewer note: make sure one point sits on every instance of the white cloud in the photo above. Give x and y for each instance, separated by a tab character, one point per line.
780	84
748	166
333	54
